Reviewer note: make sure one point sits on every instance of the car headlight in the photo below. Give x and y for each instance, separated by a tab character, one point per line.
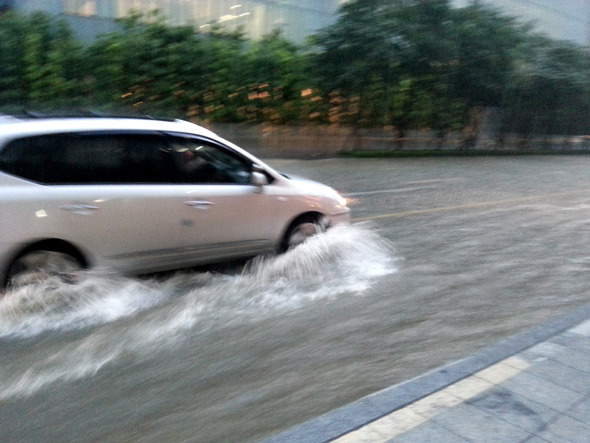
342	201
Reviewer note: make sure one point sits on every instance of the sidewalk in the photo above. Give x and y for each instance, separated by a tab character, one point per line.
534	387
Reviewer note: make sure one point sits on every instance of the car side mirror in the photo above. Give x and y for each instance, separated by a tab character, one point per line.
258	178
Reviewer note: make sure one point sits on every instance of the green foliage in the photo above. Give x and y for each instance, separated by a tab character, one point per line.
147	67
363	42
276	74
40	62
487	42
550	91
412	64
13	31
150	67
431	61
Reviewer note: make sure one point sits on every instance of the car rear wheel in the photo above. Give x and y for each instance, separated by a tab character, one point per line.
303	228
34	266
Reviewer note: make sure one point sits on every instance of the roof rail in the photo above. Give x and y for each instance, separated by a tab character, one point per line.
8	118
85	114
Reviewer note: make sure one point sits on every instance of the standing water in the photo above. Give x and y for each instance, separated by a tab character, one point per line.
122	344
490	247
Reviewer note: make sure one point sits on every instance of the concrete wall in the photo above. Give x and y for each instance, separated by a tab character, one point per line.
325	141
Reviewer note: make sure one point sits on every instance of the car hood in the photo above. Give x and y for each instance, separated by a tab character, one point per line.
314	188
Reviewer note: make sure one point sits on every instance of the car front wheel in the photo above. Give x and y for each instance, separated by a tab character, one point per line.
303	228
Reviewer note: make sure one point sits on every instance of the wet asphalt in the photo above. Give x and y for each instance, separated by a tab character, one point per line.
445	257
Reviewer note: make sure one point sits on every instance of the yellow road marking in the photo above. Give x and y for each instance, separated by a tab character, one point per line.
465	206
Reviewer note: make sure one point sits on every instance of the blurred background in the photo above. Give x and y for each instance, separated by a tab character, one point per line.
347	75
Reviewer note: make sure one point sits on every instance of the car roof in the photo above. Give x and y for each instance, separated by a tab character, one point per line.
13	127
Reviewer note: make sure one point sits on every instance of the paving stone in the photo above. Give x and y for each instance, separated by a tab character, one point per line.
384	428
516	362
505	393
542	391
429	432
434	404
575	359
399	396
397	423
363	435
581	411
582	329
562	375
473	424
547	349
515	409
567	429
325	427
499	372
468	388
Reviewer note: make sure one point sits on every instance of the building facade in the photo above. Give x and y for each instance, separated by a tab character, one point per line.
296	18
558	19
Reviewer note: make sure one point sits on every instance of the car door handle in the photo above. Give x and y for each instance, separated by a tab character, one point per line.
81	209
199	204
78	208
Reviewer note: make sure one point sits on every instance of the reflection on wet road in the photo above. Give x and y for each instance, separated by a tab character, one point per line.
450	256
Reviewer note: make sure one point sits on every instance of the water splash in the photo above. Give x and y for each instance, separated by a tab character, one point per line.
123	317
97	298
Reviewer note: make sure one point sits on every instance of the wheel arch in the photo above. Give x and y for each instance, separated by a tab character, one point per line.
48	244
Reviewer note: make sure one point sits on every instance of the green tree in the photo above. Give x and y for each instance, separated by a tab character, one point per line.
410	64
487	51
40	62
398	58
431	64
358	56
51	63
550	91
147	67
223	75
13	29
424	96
276	73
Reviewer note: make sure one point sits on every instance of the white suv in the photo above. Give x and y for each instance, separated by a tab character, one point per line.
142	195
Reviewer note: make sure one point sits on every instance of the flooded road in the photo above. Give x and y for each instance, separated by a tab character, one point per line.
445	256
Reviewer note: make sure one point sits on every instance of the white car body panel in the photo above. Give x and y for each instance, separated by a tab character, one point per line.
152	227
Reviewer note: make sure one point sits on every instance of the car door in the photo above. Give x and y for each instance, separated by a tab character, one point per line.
114	194
227	214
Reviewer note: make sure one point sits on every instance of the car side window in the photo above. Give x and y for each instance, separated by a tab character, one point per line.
97	158
114	159
123	158
89	159
202	161
147	159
